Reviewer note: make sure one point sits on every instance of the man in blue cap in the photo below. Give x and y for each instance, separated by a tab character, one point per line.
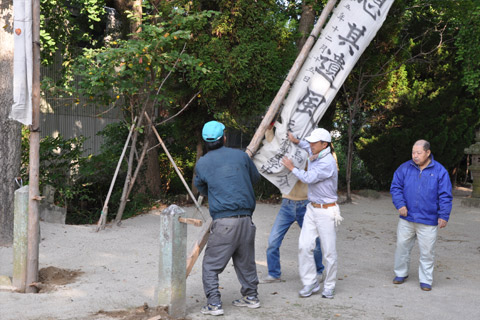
227	176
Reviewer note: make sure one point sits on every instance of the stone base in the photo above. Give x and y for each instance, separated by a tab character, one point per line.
51	213
471	202
5	281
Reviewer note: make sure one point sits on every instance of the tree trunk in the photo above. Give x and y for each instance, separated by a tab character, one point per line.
352	112
10	131
152	175
135	7
305	25
348	172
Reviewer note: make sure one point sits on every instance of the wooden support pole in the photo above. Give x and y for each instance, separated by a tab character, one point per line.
103	217
198	245
34	164
278	100
171	290
175	166
20	239
195	222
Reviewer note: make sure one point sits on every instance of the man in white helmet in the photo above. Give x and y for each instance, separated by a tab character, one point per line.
323	213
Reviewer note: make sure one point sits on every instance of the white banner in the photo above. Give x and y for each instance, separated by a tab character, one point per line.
22	62
351	27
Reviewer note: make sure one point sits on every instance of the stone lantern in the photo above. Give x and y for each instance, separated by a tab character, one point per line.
474	167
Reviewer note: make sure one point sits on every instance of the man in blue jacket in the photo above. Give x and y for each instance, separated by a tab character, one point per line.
227	176
422	193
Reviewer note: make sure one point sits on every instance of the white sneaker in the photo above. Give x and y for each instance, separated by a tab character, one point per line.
307	291
328	293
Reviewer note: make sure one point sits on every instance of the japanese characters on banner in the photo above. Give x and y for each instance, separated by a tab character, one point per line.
352	26
22	62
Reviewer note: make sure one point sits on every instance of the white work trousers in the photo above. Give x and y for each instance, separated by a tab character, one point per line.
407	232
318	222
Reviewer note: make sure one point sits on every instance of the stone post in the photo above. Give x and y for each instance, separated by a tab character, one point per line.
171	290
20	238
474	167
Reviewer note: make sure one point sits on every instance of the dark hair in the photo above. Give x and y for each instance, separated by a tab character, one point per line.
215	144
329	144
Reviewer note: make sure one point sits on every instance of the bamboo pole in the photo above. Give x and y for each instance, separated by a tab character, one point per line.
124	197
277	101
103	217
34	164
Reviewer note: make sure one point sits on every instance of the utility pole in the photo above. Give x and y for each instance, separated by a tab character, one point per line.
34	197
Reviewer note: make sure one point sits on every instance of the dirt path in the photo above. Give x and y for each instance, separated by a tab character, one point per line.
116	272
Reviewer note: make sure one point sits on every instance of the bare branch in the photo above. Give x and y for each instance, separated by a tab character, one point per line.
188	103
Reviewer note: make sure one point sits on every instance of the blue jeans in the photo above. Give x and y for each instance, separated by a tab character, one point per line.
290	211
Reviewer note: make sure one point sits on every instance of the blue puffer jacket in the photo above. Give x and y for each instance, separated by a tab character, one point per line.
227	176
427	194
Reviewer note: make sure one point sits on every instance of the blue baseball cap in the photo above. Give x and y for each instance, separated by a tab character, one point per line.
212	131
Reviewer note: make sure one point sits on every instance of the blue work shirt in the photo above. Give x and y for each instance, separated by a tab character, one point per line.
321	177
227	176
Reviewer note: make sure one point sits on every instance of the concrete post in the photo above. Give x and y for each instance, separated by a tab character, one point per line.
20	238
172	287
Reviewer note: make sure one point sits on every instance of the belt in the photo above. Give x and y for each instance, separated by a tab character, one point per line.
323	205
238	216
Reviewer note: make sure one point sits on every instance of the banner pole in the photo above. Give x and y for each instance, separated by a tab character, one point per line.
277	101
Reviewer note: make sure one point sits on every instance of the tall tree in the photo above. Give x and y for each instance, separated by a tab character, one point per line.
467	20
306	22
10	134
248	48
431	101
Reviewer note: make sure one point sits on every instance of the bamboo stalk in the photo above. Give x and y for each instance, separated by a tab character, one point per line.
277	101
127	183
137	169
103	217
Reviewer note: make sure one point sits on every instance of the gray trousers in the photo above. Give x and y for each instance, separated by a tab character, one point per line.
230	238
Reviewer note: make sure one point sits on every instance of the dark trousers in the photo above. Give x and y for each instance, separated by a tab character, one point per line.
230	238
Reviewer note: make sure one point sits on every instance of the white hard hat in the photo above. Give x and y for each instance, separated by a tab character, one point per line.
319	134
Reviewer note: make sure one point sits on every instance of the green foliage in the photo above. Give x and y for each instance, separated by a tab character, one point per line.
82	182
408	86
467	42
60	160
135	68
67	26
249	49
360	178
95	176
446	119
